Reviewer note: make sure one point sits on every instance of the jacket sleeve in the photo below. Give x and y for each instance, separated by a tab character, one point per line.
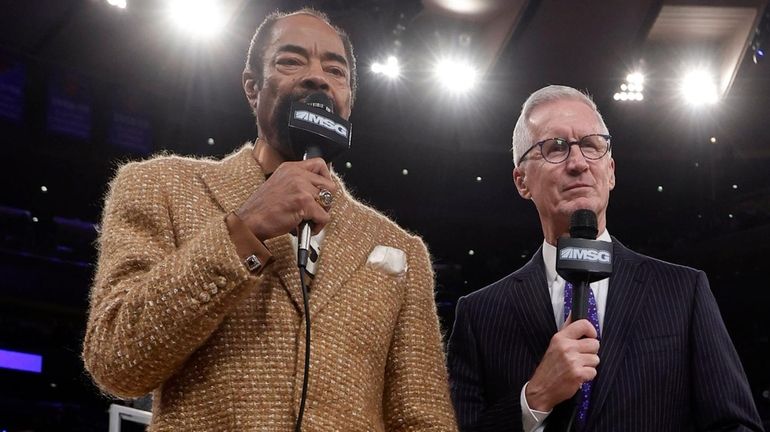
416	394
722	397
474	411
153	301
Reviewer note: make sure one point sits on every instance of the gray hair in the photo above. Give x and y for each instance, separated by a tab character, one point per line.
522	136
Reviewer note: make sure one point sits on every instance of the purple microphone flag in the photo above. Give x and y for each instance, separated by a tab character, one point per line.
21	361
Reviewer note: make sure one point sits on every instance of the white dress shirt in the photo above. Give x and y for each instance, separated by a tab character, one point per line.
533	419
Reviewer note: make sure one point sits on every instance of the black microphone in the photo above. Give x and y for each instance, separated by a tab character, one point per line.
315	131
581	259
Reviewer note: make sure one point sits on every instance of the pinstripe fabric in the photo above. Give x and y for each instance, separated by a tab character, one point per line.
667	362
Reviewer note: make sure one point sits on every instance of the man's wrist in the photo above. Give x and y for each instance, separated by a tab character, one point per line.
253	253
536	400
531	419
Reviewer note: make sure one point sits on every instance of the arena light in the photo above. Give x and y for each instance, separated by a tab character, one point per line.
117	3
456	76
197	17
390	68
699	88
632	89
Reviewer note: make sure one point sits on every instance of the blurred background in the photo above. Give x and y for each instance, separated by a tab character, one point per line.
86	85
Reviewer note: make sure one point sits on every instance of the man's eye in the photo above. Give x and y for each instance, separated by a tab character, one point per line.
337	71
558	145
289	62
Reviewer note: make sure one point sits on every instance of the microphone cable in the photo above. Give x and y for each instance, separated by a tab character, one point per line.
306	373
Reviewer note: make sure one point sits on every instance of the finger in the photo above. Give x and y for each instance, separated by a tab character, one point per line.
320	182
567	321
312	171
588	345
319	218
578	329
317	166
590	360
587	373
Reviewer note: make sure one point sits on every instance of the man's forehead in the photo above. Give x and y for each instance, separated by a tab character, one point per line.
303	29
562	113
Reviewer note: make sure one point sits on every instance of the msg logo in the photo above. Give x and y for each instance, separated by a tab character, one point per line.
585	254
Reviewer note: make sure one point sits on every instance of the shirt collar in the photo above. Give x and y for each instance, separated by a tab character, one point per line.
549	256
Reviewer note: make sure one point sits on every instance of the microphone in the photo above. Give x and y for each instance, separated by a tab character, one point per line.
315	131
581	259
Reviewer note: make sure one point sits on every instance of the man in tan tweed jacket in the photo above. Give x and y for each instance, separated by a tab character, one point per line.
177	312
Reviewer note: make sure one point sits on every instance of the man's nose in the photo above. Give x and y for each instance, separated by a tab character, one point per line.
576	161
315	78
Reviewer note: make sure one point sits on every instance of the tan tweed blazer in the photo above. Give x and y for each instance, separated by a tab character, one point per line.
174	311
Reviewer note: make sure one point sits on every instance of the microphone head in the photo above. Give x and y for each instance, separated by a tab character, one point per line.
315	130
583	224
320	100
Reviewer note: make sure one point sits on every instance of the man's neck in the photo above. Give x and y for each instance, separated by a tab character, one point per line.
266	156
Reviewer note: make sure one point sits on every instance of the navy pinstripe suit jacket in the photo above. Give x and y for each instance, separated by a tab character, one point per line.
667	362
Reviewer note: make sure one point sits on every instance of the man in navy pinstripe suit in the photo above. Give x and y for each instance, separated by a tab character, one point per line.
661	359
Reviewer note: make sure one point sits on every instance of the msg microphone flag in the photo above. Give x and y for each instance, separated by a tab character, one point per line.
314	125
581	259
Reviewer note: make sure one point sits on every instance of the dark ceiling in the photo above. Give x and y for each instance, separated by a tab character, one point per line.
713	210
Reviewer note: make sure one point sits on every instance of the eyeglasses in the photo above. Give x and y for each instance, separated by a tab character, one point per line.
556	150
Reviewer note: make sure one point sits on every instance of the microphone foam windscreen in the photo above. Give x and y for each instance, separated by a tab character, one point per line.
583	224
320	100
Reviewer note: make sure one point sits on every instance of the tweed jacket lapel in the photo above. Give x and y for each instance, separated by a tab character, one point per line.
350	237
626	296
230	183
530	299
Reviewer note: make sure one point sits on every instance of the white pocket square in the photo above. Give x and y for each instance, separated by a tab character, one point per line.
388	259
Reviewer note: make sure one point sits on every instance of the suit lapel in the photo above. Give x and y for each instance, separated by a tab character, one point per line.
348	240
624	300
230	182
530	299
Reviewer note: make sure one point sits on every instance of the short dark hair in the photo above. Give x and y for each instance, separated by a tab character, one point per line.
255	59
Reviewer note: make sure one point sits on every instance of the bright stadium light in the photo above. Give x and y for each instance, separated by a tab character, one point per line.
632	89
456	76
117	3
699	88
390	68
635	78
198	17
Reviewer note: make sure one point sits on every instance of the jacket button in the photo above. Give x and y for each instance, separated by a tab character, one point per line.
204	297
212	288
221	281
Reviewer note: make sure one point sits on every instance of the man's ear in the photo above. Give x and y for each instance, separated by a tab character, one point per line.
250	88
612	173
519	179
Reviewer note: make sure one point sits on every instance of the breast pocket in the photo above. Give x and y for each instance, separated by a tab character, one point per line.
650	345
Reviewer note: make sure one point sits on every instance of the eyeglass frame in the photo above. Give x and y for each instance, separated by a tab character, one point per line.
569	147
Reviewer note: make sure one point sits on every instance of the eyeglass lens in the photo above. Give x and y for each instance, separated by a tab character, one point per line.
592	147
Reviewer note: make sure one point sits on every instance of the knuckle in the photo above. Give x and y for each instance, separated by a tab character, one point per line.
306	200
